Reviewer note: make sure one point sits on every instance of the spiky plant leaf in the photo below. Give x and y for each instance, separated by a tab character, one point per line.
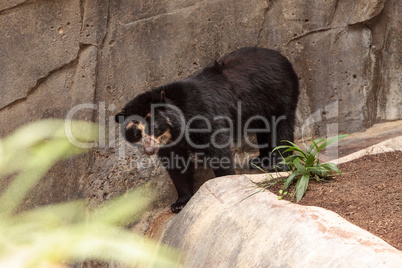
300	167
310	160
302	187
290	179
314	144
331	167
331	140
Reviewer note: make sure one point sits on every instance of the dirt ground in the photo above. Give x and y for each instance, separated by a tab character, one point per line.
368	194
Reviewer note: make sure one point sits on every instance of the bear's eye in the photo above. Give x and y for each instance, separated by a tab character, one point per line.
164	139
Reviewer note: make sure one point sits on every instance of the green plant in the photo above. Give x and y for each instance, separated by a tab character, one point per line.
68	232
304	166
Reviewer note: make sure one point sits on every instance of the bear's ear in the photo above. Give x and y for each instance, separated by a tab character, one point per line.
120	117
218	66
162	99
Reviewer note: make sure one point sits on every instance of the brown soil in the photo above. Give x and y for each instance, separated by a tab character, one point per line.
368	194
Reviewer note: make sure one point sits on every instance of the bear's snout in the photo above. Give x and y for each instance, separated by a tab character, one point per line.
150	150
150	146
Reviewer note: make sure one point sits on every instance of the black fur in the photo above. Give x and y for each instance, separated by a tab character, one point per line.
261	79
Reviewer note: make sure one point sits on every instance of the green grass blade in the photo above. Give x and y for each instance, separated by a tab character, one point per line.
299	166
301	187
291	149
53	215
42	158
296	148
330	141
310	160
281	147
317	141
289	180
314	144
318	170
257	167
331	167
292	157
123	209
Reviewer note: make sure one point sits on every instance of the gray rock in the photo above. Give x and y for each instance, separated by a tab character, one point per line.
38	39
45	72
8	5
218	228
338	62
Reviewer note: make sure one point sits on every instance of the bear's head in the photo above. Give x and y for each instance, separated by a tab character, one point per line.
145	121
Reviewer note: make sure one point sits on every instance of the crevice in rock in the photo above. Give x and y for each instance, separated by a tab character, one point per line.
265	13
378	72
213	194
39	81
43	78
172	12
82	13
83	47
323	29
372	96
11	9
107	31
368	19
102	44
333	13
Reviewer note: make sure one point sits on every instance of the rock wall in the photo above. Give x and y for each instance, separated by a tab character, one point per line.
60	54
345	55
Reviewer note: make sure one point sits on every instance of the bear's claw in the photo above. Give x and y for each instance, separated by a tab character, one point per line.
177	207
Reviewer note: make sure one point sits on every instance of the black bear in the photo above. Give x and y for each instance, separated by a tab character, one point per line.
249	90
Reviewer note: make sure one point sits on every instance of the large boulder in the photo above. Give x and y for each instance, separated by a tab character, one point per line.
223	226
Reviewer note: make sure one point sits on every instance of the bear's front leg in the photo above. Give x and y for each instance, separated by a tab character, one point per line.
224	165
181	170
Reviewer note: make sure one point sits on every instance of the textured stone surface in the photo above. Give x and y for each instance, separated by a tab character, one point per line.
388	43
391	145
223	230
338	60
33	45
168	43
58	54
45	72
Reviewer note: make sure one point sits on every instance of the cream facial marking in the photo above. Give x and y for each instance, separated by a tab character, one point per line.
164	138
151	140
139	125
150	143
168	121
129	125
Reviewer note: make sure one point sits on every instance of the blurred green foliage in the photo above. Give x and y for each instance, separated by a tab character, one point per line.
59	234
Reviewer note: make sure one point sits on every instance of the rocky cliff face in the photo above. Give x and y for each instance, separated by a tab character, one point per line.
60	54
345	54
